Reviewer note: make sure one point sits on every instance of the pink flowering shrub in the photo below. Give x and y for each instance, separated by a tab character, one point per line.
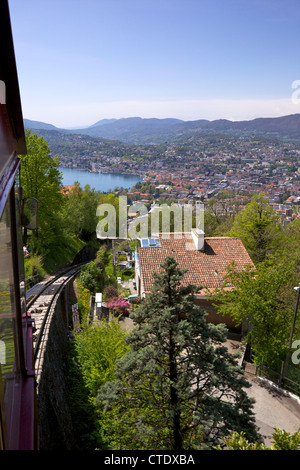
119	306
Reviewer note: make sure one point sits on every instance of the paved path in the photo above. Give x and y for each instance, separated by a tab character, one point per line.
273	408
129	285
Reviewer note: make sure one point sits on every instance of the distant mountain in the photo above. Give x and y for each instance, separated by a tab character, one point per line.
137	130
282	125
134	129
28	124
285	127
102	122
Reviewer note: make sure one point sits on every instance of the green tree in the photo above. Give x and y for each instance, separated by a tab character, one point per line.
84	415
41	179
281	440
290	241
98	348
178	387
92	277
79	211
113	201
256	298
258	227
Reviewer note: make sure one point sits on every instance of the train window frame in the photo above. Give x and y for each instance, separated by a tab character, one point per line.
9	323
16	388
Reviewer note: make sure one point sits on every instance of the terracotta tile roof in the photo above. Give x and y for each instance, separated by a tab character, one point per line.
68	188
205	268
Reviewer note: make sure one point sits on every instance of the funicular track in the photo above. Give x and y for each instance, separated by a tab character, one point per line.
41	303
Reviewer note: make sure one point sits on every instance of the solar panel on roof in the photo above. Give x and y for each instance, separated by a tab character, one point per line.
146	242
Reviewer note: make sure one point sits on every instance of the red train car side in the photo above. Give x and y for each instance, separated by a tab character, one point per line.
18	427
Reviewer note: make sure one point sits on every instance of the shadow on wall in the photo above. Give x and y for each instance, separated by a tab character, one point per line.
87	253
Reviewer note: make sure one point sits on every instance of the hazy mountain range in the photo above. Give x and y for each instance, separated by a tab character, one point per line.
140	131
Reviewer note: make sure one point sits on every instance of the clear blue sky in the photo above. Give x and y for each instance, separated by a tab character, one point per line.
83	60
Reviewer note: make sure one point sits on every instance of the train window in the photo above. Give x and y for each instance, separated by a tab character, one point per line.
19	242
9	347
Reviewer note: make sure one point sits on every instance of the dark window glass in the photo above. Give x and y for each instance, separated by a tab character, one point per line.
21	274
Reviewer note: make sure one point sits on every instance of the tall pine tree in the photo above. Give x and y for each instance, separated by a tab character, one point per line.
178	387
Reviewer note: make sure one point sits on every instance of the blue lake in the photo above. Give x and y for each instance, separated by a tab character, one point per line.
99	181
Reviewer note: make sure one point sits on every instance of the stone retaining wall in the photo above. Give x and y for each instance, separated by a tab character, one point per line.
55	424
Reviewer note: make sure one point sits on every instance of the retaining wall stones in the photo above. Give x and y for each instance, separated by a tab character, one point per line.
56	431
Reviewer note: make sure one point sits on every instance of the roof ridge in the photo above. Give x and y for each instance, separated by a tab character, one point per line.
189	233
231	238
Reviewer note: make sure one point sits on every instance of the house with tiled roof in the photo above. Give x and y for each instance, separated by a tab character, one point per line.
205	258
68	188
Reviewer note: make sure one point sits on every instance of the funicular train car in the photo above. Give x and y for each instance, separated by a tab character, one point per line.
18	430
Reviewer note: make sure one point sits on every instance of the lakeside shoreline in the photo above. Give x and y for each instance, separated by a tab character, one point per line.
100	181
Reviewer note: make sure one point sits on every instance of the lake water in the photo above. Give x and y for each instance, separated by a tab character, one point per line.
99	181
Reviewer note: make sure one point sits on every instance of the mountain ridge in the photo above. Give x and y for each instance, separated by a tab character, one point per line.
154	130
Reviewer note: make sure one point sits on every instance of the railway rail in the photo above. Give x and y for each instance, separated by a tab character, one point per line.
40	303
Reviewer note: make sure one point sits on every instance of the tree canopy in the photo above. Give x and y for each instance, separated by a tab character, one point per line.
79	211
257	298
258	227
41	179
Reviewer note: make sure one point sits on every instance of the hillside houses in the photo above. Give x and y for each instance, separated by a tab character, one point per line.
200	167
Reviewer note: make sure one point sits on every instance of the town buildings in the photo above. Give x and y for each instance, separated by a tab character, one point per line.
201	167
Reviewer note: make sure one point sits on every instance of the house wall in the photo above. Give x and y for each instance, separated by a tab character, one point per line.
214	317
138	278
